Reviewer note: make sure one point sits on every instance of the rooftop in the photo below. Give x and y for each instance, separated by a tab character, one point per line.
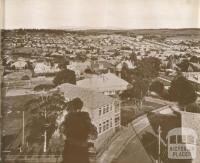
91	99
104	81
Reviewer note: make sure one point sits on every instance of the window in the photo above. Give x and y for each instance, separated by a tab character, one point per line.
107	108
99	128
117	106
104	126
104	110
111	122
107	124
99	111
116	121
110	107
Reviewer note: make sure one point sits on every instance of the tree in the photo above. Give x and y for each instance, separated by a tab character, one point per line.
42	87
140	90
133	58
65	76
137	92
157	87
182	91
25	77
41	114
184	65
141	77
194	59
89	71
125	72
194	108
77	128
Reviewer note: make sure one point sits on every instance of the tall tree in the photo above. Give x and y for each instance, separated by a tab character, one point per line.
133	58
41	113
182	91
77	128
194	108
65	76
184	65
194	59
141	77
125	72
137	92
157	87
148	68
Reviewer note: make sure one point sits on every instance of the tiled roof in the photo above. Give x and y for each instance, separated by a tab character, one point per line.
91	99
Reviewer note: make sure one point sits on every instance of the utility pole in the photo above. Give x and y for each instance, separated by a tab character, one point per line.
23	128
159	139
45	133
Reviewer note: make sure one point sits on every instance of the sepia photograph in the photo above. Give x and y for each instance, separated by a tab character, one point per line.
100	81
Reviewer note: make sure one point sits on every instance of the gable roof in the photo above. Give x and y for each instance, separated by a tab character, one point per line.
91	99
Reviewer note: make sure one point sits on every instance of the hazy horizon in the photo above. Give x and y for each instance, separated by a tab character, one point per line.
110	29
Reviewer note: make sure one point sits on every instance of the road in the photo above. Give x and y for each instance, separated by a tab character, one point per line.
128	141
160	101
134	152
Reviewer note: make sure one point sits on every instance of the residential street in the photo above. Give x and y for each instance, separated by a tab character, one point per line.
127	144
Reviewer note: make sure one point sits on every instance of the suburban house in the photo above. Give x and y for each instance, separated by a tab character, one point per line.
102	66
79	67
108	84
103	110
128	63
42	69
21	64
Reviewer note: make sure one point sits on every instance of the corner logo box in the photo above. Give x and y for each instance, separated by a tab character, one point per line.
182	143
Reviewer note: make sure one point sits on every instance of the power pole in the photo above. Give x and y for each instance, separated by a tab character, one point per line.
159	139
45	133
23	128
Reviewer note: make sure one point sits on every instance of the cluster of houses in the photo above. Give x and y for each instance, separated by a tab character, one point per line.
110	47
99	95
102	55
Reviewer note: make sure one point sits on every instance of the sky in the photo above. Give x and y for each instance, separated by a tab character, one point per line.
101	14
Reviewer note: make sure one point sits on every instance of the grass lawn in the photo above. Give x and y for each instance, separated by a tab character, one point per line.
129	111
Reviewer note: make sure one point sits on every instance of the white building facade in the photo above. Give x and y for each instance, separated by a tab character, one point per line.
104	111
